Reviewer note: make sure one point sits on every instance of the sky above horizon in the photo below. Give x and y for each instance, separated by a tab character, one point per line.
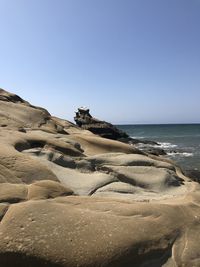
129	61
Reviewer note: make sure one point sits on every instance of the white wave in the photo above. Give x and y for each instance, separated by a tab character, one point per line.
163	145
183	154
166	145
137	137
187	154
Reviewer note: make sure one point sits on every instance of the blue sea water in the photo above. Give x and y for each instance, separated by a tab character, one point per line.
180	141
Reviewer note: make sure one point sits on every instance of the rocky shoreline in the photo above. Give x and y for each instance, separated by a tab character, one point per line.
86	121
70	197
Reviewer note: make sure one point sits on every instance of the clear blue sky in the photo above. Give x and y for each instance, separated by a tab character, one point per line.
130	61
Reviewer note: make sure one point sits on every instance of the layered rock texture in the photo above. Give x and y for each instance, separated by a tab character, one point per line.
71	198
85	121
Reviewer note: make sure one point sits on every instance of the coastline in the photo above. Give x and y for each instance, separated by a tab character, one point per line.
180	141
69	197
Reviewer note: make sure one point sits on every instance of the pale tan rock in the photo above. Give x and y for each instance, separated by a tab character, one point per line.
26	169
3	209
122	159
81	231
13	193
47	189
93	145
6	175
138	210
149	178
18	113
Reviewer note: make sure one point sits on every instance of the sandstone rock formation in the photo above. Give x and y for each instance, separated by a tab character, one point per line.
85	121
71	198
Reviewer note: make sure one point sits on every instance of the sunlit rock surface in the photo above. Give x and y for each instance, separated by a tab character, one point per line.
71	198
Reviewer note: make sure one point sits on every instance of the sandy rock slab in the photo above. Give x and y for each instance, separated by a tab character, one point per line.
14	193
83	231
70	198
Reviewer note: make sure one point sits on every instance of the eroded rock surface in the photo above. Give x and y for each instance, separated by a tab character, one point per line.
85	121
71	198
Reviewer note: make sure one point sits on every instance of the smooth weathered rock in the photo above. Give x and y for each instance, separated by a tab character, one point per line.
130	208
93	145
47	189
13	193
3	209
123	159
18	113
77	231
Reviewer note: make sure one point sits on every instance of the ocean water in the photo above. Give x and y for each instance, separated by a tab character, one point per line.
180	141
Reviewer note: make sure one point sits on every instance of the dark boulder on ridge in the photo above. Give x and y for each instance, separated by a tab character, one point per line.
105	129
84	120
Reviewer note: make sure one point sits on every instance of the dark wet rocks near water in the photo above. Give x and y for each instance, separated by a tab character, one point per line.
193	174
154	150
104	129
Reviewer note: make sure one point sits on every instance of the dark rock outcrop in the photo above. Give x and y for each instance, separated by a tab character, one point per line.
84	120
193	174
157	151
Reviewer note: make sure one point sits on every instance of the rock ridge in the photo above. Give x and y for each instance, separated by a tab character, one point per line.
71	198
